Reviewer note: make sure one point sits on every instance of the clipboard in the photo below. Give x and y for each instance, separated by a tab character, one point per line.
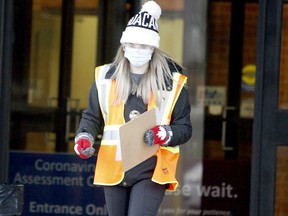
133	148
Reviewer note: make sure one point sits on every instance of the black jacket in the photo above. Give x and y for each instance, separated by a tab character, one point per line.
92	120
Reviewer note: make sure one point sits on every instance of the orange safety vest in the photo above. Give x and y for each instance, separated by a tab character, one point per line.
108	169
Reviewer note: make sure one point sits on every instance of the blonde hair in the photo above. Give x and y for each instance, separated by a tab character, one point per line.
155	79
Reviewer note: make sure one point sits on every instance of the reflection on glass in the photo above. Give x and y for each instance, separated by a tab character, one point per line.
283	90
281	201
44	58
84	56
35	142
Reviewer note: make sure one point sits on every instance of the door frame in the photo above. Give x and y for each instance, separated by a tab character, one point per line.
6	44
269	121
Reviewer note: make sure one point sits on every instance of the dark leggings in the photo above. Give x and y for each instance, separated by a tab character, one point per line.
142	199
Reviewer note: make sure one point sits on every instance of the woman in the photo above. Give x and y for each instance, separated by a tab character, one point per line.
141	77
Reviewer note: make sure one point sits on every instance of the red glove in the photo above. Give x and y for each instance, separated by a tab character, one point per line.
84	145
160	135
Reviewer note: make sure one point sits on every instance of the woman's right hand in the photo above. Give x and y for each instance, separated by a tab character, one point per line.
84	145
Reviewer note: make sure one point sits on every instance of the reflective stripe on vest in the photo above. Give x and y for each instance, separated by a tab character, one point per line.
167	157
109	168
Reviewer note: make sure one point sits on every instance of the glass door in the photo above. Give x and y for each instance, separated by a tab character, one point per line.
214	169
229	105
60	54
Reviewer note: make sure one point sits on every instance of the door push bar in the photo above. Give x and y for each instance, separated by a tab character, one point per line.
68	117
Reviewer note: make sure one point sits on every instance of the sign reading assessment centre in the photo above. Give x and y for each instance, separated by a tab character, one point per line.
57	184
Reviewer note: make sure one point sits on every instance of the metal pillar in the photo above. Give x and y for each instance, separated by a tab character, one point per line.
6	39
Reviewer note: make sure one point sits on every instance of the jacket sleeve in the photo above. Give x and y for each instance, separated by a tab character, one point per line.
180	121
92	119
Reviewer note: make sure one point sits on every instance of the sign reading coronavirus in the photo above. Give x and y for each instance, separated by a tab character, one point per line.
57	184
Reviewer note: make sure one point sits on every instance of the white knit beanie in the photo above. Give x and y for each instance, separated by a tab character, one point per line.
143	27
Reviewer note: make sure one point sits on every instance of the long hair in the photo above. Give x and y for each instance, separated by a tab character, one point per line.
154	80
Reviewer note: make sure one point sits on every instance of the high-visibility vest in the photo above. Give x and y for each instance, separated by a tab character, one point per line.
108	168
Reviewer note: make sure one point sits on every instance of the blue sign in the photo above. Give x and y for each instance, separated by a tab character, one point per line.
57	184
62	184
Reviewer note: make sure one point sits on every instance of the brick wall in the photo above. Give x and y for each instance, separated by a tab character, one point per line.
281	201
218	43
283	92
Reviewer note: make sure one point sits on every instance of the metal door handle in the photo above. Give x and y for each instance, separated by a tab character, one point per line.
52	102
68	116
223	137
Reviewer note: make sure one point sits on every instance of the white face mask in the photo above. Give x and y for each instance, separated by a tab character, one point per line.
138	57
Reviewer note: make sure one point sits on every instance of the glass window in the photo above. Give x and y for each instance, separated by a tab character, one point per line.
283	90
281	201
